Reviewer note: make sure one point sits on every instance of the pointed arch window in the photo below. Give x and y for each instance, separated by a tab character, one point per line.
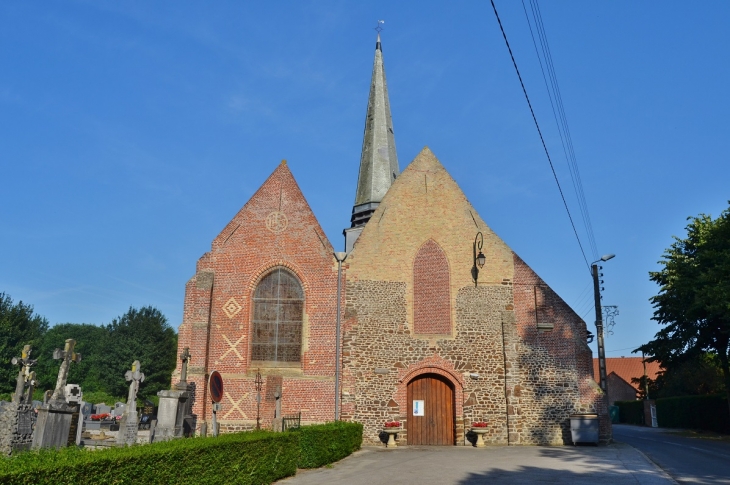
431	291
278	315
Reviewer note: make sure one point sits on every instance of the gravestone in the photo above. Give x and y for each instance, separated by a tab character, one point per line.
175	418
73	395
17	417
119	409
55	416
102	408
128	425
277	423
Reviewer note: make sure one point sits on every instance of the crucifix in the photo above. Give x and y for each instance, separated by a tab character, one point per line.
135	376
67	355
185	357
25	376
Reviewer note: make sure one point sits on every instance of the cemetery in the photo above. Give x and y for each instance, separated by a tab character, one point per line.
64	439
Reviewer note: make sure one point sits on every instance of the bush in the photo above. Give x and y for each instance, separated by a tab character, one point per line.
696	412
322	444
241	458
630	412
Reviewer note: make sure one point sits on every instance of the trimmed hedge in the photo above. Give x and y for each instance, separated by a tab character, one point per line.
630	412
242	458
326	443
697	412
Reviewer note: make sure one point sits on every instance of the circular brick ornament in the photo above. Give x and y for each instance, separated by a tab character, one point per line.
276	222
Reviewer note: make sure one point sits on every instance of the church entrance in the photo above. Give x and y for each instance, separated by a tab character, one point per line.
430	411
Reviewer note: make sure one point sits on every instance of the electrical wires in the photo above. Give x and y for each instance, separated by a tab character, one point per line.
544	146
556	102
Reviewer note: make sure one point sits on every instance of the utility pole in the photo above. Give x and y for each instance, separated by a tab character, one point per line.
599	322
599	329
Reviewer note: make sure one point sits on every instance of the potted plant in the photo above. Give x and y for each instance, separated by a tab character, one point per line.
392	428
479	428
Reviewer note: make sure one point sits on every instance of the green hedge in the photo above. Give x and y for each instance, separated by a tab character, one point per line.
630	412
696	412
240	458
259	457
326	443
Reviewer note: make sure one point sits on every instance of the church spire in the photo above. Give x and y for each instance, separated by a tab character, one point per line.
378	162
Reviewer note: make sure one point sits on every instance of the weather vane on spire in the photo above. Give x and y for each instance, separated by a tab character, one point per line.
379	28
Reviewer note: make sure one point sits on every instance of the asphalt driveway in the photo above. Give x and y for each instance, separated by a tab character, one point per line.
613	464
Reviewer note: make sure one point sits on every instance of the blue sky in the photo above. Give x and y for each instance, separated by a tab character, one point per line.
131	133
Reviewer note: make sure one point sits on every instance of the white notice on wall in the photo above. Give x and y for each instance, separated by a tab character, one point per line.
418	408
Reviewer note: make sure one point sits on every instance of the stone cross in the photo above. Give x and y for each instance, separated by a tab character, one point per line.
25	376
185	357
135	376
67	355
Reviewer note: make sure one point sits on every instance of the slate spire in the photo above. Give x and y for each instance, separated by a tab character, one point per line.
378	162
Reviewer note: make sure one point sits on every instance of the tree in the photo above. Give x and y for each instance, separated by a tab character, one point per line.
18	326
693	302
91	342
140	334
700	375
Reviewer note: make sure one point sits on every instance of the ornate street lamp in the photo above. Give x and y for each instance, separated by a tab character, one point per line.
479	259
258	382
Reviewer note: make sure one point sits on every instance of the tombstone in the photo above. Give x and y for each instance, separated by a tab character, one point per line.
102	408
73	395
128	425
17	417
119	409
87	409
277	423
55	416
175	418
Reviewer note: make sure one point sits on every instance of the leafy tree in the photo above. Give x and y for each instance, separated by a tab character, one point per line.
697	376
693	302
91	342
144	335
18	326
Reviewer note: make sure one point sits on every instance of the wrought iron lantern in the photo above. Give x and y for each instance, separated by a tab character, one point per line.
479	259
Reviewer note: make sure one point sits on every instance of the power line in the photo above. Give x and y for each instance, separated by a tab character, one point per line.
561	120
537	125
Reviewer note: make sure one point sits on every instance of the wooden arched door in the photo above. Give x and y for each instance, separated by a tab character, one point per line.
431	411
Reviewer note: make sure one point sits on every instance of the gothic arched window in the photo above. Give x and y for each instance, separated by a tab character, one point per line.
278	314
431	291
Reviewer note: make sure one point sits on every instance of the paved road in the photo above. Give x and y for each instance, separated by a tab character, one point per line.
687	460
616	464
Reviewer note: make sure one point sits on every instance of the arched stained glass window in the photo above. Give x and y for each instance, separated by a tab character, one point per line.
278	312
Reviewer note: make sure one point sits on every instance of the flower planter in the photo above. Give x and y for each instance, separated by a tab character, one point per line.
480	440
391	436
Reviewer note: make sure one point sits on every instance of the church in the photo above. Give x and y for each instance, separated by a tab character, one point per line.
441	324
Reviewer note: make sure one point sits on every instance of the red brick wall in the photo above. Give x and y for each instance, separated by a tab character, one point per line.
276	227
431	291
